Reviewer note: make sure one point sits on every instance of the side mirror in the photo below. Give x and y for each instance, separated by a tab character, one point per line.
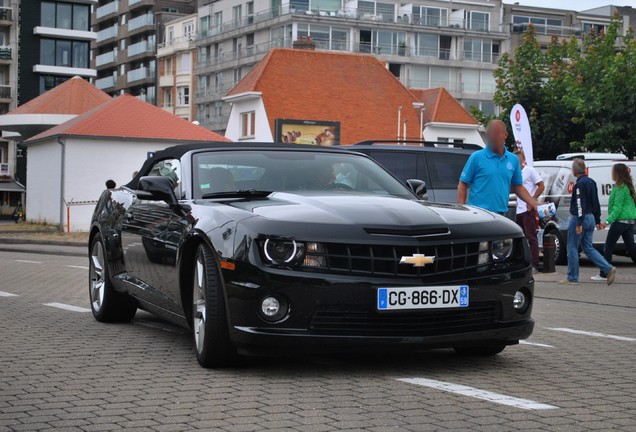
418	187
157	188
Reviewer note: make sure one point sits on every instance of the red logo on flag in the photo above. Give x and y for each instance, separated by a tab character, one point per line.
518	115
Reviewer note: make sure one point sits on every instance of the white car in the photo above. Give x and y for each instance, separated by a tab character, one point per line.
559	181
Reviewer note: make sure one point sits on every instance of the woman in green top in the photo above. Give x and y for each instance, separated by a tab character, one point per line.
622	214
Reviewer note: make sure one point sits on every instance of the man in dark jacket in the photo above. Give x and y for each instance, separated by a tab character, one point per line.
585	215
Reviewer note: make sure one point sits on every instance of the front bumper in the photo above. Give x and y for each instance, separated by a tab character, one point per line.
352	322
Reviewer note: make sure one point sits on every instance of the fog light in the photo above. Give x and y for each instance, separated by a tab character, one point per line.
484	253
520	301
270	306
273	309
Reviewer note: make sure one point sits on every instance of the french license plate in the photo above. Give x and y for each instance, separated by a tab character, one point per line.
423	297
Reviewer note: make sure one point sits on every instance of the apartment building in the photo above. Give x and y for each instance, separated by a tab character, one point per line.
125	47
425	43
176	56
55	39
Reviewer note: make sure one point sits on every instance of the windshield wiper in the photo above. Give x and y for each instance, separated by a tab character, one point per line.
237	194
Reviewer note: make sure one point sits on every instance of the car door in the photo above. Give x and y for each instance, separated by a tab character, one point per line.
149	248
444	169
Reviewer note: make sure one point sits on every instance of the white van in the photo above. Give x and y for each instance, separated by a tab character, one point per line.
559	181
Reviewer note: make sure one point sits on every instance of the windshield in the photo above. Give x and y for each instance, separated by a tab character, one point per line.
291	171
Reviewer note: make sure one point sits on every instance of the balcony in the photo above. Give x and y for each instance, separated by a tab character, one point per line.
140	48
177	44
107	9
5	92
134	4
107	33
140	74
5	52
104	83
108	57
6	13
141	21
166	81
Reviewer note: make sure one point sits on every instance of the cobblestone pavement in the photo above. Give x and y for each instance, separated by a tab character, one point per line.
61	369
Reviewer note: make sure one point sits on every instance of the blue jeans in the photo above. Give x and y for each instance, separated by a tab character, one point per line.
616	231
584	240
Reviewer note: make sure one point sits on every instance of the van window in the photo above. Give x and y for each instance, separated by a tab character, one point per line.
401	164
445	169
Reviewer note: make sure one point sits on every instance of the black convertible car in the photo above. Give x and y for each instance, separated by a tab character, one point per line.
264	249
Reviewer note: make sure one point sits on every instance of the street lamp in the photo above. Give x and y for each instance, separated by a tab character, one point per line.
420	106
399	122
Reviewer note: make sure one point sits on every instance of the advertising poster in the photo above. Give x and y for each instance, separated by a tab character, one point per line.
312	132
521	131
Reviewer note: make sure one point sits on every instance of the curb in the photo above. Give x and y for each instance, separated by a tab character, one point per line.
42	252
9	240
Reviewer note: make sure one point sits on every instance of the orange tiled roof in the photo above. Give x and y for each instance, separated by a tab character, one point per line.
356	90
128	117
73	96
442	107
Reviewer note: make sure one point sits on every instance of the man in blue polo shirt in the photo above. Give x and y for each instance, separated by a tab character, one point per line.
492	173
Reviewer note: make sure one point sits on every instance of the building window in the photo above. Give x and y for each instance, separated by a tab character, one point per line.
167	97
188	29
167	68
47	82
427	45
218	109
478	50
66	53
237	75
183	95
184	62
429	16
68	16
170	37
248	126
478	20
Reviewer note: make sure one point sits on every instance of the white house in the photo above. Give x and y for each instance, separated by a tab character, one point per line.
69	164
445	119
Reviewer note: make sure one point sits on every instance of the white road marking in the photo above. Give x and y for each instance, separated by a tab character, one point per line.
7	294
594	334
77	267
28	261
525	342
67	307
489	396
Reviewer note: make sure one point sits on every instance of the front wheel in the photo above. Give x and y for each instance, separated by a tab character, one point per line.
209	318
107	304
480	351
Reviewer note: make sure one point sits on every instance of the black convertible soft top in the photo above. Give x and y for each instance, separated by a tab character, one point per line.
176	152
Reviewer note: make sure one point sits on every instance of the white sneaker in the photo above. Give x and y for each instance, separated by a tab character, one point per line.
598	278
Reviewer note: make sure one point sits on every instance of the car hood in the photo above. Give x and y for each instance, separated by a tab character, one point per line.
368	212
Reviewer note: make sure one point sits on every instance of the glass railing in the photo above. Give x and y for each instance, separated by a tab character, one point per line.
105	58
107	33
6	13
107	9
351	14
5	52
5	92
139	74
104	83
140	48
140	21
132	2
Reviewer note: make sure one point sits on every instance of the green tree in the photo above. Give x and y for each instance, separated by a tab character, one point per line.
604	92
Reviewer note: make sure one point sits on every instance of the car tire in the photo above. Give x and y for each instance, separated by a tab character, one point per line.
107	304
209	318
560	251
480	351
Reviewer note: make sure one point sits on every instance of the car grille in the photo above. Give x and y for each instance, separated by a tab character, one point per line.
385	260
404	323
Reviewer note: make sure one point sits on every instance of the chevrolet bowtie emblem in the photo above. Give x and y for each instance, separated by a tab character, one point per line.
418	260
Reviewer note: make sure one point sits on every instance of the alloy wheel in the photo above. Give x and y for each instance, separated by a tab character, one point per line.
97	276
198	301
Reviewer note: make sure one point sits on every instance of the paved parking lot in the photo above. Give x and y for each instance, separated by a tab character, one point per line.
61	369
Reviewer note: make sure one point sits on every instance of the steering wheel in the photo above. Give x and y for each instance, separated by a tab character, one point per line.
340	186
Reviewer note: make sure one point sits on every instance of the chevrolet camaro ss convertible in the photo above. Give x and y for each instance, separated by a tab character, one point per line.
268	249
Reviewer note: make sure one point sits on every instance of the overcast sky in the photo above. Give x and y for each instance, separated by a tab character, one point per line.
577	5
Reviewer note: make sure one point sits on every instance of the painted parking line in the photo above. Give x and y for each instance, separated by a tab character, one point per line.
28	261
7	294
473	392
67	307
525	342
77	267
593	334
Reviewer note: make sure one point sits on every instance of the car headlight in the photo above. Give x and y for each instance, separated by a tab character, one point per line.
283	251
501	249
